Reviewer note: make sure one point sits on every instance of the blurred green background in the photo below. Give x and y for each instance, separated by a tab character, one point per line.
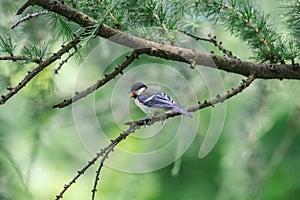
256	156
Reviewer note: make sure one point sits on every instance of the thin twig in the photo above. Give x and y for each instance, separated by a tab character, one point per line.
64	61
24	7
103	152
100	83
162	24
20	58
13	58
212	39
38	69
193	36
219	99
105	156
117	23
27	17
166	30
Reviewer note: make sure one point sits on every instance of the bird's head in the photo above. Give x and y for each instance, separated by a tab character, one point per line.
137	88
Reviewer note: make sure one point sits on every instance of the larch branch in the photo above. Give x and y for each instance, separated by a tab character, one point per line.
38	69
264	71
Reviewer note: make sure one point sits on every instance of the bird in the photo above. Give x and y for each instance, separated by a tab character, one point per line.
154	102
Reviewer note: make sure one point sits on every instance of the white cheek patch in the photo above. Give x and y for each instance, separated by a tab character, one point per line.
139	91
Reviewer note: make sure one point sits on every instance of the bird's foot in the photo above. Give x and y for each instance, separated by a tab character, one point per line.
146	120
161	120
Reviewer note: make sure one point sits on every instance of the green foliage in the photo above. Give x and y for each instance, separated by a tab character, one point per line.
293	18
151	13
93	8
144	14
290	49
63	28
6	45
92	30
35	52
247	21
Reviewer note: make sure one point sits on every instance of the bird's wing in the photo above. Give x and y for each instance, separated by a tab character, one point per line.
159	100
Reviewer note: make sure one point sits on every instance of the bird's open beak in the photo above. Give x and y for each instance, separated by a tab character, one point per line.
132	94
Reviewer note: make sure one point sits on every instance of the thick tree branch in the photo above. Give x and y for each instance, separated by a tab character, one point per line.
24	7
264	71
38	69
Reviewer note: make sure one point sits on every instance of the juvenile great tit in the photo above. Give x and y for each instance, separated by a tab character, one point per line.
154	102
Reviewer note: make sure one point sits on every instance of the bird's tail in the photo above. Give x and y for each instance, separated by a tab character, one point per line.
182	111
